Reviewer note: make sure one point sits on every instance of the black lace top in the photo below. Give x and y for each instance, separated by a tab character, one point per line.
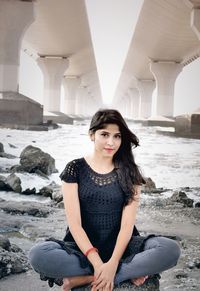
101	204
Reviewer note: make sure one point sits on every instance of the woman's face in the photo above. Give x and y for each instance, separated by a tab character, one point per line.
107	141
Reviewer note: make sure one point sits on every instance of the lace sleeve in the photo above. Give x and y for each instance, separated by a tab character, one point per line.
70	173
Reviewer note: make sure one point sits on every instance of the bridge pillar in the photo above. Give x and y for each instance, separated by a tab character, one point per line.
195	21
145	88
80	100
165	74
126	101
71	85
15	17
135	102
92	105
121	105
53	69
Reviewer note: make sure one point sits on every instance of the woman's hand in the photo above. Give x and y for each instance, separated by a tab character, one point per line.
104	276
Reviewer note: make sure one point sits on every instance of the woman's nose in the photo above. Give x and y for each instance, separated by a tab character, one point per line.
110	141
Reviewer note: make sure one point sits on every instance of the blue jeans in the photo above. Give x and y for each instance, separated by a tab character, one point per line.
160	254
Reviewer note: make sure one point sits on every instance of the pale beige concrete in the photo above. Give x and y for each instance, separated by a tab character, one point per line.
145	88
135	102
165	32
71	85
165	74
53	70
15	18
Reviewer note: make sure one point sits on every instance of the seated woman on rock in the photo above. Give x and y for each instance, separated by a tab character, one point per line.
101	192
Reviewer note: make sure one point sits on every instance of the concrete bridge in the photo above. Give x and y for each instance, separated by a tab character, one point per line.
167	38
57	36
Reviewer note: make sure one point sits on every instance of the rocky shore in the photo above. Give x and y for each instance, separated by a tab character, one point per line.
25	223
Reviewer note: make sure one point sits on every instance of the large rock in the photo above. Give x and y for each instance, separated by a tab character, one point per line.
3	186
33	159
11	183
14	183
195	123
12	259
4	243
183	123
150	186
181	197
46	191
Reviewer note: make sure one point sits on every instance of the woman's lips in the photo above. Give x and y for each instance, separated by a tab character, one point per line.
109	150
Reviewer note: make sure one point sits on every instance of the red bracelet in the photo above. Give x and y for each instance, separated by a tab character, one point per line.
90	250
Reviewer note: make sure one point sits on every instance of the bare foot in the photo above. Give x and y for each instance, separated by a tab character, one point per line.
69	283
139	281
66	284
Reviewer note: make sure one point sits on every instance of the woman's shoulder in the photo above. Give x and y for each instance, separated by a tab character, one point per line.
75	162
71	170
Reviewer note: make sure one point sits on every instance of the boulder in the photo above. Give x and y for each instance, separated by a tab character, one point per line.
3	185
150	186
4	243
183	123
11	183
12	259
195	123
14	183
181	197
46	191
33	159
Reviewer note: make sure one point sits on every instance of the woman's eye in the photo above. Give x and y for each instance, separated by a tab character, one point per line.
118	136
104	134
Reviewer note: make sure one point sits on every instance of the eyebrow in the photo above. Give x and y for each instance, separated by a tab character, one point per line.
104	131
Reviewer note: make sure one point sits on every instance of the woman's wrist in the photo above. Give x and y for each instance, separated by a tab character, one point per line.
92	249
95	259
114	260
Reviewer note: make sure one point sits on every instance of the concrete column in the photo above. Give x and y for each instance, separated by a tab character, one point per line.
135	102
71	85
128	105
53	69
15	18
85	106
195	21
165	74
82	101
145	88
122	106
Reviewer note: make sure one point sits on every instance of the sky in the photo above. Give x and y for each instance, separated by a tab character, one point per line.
118	31
111	47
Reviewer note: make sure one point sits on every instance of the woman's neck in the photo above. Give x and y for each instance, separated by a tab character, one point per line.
99	163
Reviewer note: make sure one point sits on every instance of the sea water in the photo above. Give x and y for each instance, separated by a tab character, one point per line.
171	162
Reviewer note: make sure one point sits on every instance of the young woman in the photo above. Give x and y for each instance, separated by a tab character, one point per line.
102	246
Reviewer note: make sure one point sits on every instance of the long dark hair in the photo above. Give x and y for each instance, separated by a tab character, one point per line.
126	168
